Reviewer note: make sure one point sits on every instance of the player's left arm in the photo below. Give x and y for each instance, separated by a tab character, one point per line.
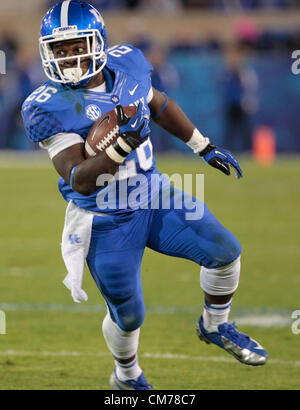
167	114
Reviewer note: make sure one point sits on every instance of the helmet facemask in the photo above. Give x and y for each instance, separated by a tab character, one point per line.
73	75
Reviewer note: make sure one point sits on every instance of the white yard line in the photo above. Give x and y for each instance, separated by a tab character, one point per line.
264	318
154	356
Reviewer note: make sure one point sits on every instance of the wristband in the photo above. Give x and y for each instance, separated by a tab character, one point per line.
118	151
197	142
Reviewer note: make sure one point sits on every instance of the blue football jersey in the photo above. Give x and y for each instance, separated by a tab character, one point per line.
56	108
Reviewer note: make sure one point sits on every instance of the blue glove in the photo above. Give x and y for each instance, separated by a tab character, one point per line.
134	130
221	159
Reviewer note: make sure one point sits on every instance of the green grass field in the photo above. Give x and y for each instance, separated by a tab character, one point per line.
51	343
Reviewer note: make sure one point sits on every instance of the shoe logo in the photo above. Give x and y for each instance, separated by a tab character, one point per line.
131	92
258	346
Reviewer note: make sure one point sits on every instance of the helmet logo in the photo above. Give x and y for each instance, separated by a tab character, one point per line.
97	16
93	112
60	29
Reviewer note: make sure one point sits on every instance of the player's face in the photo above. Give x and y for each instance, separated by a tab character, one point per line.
69	48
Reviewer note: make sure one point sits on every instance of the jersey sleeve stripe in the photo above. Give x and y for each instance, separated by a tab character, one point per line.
60	142
150	95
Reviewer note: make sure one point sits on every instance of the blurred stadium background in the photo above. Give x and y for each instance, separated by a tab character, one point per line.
228	64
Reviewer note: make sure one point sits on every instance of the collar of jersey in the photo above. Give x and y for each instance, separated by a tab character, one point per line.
108	75
113	85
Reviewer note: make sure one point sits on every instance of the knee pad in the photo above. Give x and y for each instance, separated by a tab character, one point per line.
122	344
221	281
130	314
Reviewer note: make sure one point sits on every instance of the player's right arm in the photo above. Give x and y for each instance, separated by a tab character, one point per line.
87	171
44	125
82	174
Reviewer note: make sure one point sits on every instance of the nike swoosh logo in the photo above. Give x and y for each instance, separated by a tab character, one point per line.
134	124
258	346
220	153
106	118
134	90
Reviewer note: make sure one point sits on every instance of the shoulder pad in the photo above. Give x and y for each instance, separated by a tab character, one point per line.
129	59
40	124
43	112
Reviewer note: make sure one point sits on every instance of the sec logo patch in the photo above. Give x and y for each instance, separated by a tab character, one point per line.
93	112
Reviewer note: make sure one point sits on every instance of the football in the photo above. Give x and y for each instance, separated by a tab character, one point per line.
105	131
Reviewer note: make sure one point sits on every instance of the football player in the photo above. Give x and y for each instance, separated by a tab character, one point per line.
86	80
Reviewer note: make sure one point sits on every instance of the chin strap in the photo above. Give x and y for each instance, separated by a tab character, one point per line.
73	74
